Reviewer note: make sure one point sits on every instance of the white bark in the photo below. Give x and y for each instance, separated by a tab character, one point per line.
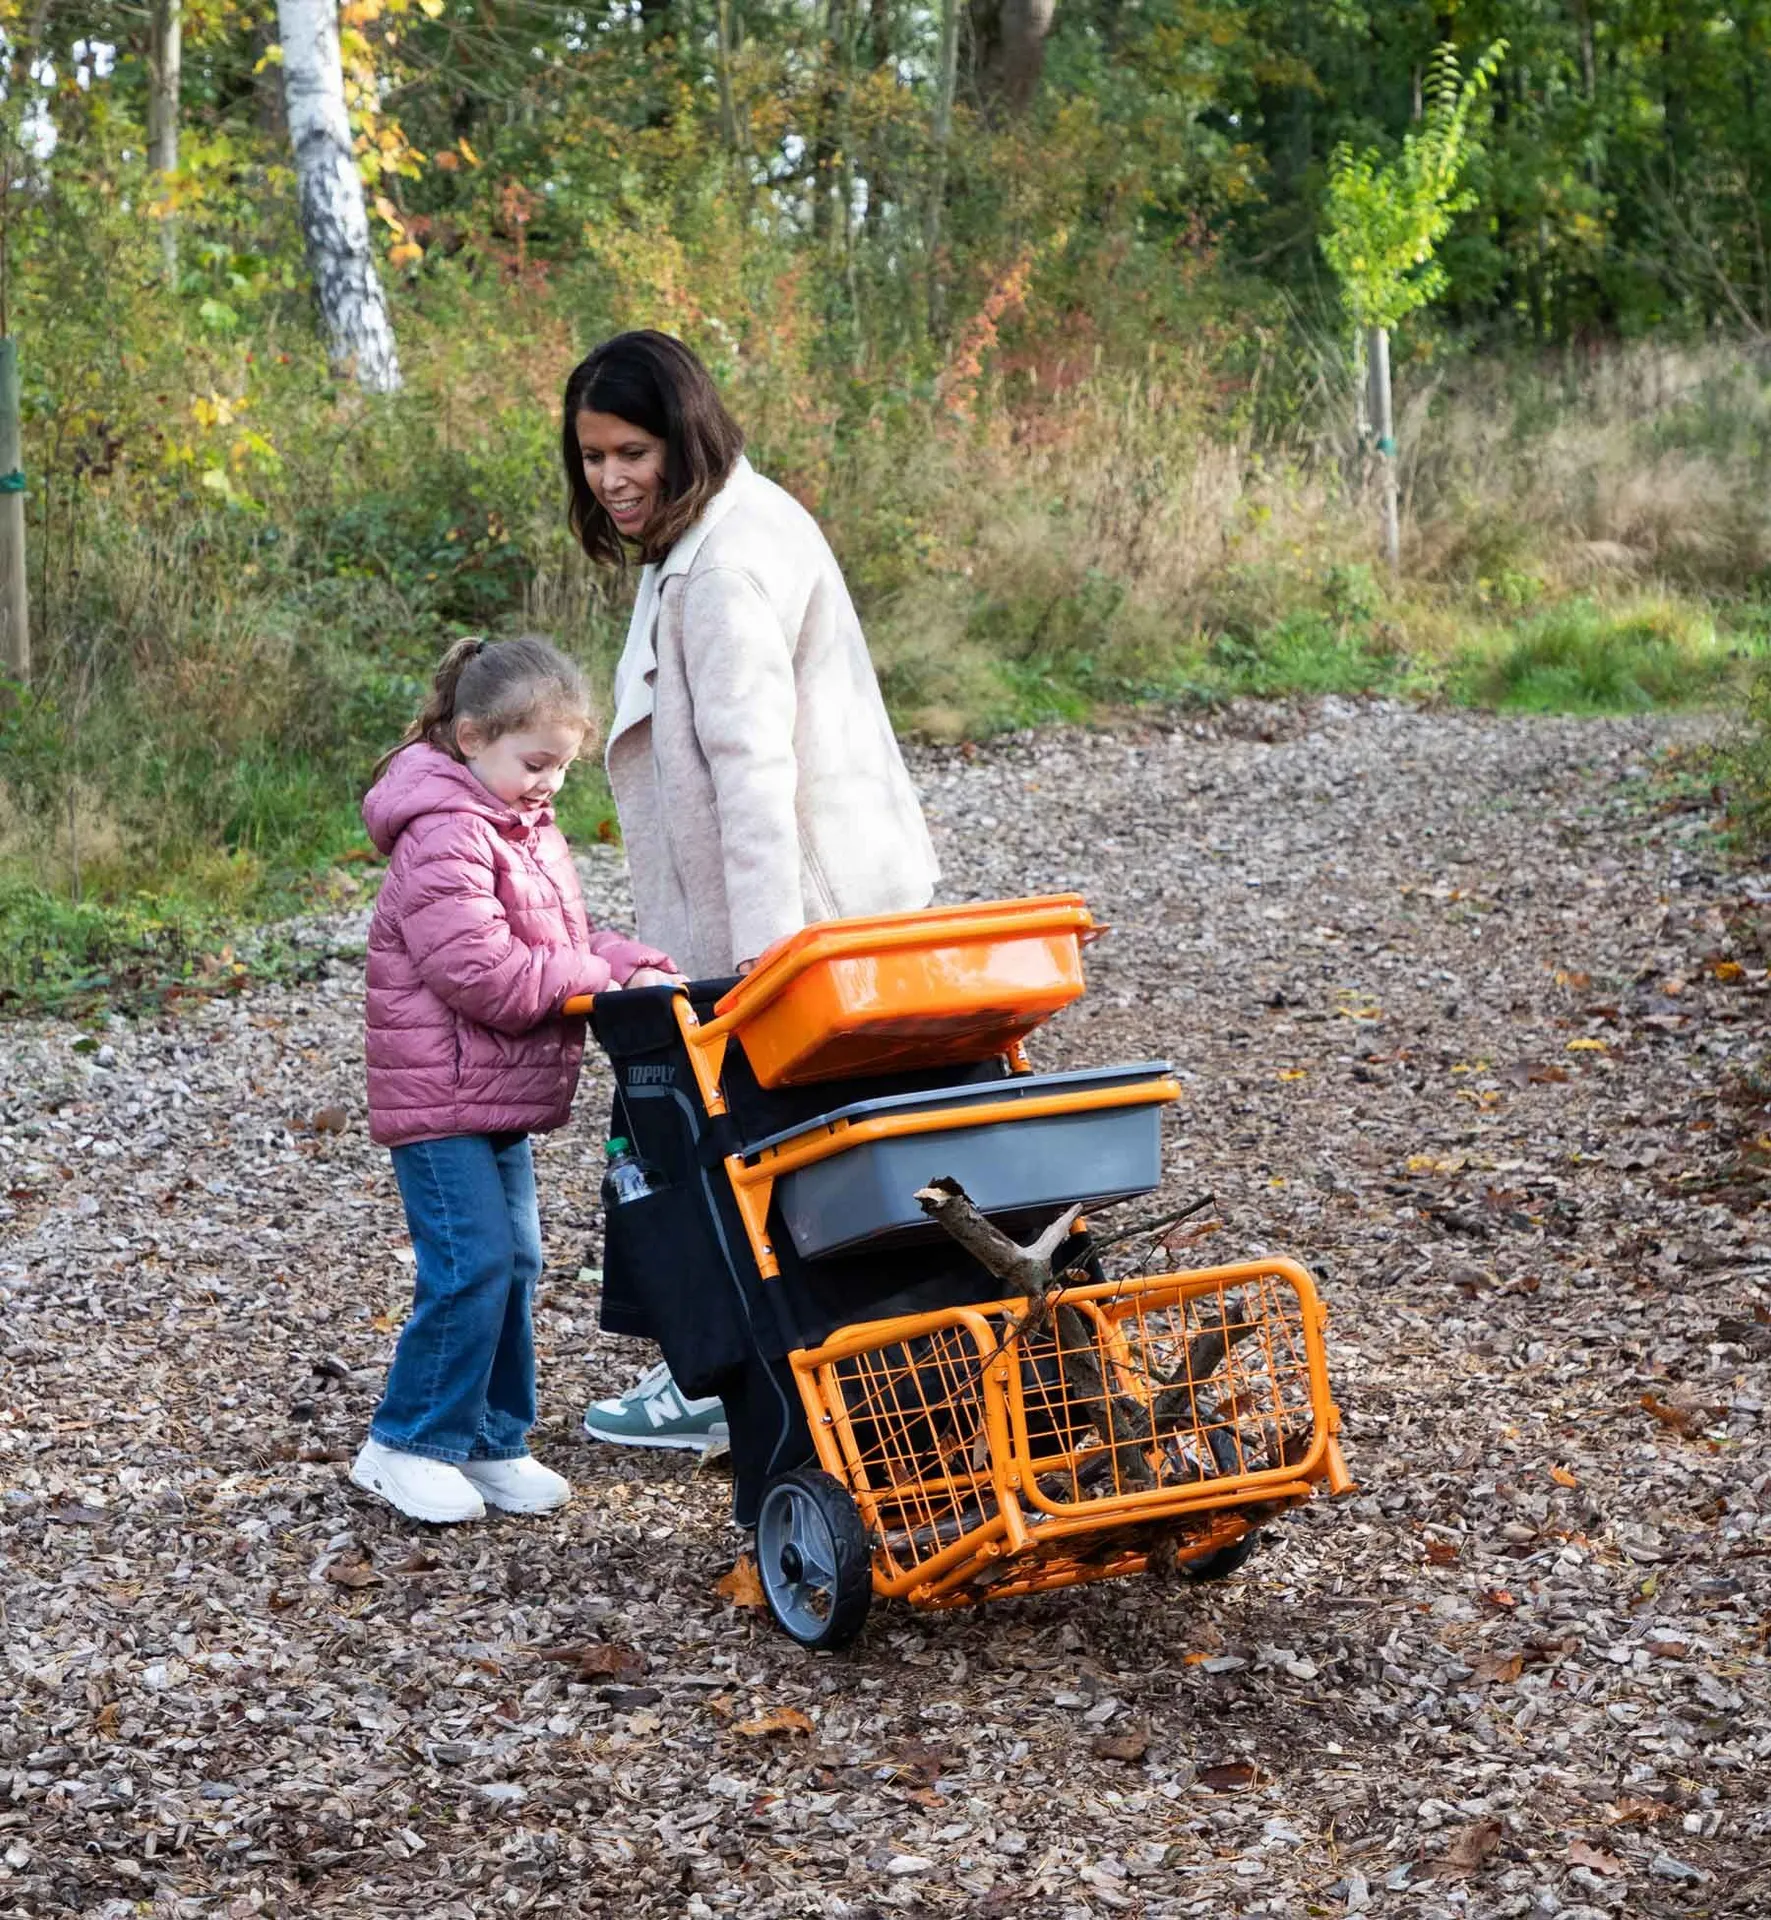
165	59
333	218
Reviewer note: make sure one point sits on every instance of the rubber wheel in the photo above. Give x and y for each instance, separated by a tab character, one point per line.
1226	1561
812	1556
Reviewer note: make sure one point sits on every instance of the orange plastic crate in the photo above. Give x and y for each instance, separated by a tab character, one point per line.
903	990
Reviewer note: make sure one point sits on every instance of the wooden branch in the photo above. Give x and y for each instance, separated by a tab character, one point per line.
1120	1420
1026	1269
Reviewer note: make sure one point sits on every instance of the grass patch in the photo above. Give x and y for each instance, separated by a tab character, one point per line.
1586	658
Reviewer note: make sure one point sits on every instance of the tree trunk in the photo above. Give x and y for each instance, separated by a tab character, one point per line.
165	57
728	113
941	133
1382	419
15	621
333	220
1010	37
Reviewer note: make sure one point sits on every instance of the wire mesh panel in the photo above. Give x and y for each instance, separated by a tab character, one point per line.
1011	1428
914	1419
1162	1386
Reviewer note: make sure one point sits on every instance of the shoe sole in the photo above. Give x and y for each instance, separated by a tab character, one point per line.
413	1511
509	1506
676	1442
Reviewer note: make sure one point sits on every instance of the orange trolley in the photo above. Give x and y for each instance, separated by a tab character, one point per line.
899	1426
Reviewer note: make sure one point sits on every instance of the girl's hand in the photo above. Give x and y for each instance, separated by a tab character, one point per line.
652	977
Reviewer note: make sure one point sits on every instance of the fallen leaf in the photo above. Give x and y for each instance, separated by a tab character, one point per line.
353	1571
1685	1420
1634	1810
1499	1669
105	1726
597	1660
1727	969
1189	1236
1230	1777
1594	1859
779	1720
1588	1046
1133	1744
914	1761
1473	1845
1442	1553
743	1585
1563	1478
1499	1597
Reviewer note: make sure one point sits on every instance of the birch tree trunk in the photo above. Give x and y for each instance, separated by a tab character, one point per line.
165	59
333	219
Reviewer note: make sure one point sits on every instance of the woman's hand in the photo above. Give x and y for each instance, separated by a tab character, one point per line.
652	977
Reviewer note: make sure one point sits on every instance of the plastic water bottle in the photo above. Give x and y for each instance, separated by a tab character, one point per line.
627	1176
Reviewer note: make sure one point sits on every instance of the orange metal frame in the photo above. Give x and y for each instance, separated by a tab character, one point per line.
1025	1538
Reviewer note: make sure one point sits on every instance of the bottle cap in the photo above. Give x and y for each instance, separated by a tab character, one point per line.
620	1144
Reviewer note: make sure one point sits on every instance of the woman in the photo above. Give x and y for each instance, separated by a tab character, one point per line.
754	769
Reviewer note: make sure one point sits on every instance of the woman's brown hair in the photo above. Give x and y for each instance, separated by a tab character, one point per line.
654	382
501	686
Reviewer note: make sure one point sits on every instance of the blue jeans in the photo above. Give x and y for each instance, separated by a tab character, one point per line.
462	1385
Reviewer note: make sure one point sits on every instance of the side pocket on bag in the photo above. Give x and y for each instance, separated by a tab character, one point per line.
661	1250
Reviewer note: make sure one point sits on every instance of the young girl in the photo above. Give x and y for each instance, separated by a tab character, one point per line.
479	937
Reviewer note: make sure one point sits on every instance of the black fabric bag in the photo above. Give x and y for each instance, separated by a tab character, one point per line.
679	1268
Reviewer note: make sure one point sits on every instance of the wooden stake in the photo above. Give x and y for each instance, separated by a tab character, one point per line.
15	610
1386	443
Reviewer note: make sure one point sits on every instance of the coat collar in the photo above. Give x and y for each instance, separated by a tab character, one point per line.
682	556
637	669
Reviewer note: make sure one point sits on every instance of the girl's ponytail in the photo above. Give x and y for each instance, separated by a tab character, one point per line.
499	686
435	724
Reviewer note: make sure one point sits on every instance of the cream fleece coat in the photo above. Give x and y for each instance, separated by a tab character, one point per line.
755	772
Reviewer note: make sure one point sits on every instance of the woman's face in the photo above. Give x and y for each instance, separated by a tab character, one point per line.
624	469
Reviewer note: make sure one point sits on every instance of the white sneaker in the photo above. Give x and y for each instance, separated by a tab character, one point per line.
422	1489
655	1412
517	1486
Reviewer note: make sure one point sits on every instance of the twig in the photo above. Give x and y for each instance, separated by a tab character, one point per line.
1187	1212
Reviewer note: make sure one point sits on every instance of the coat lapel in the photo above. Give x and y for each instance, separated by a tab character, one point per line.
637	671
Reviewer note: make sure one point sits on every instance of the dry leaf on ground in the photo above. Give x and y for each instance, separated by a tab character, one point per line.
743	1586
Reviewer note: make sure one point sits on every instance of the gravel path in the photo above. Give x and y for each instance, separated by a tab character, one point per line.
1464	1023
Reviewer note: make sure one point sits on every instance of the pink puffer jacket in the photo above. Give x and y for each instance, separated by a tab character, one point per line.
479	935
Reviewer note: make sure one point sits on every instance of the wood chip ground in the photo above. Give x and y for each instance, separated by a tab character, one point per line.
1469	1017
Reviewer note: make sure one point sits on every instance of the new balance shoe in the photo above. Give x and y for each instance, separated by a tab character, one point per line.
517	1486
421	1488
655	1412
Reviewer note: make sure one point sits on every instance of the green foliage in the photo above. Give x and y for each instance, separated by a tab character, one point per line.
1385	218
1107	473
1746	763
1585	658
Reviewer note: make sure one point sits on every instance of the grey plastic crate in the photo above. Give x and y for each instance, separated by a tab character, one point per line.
867	1195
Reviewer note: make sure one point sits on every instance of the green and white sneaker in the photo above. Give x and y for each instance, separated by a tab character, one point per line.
655	1412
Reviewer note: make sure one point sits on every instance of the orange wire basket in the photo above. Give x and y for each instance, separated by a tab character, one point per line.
1118	1426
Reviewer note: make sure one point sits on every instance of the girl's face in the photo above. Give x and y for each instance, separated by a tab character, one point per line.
624	469
524	769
